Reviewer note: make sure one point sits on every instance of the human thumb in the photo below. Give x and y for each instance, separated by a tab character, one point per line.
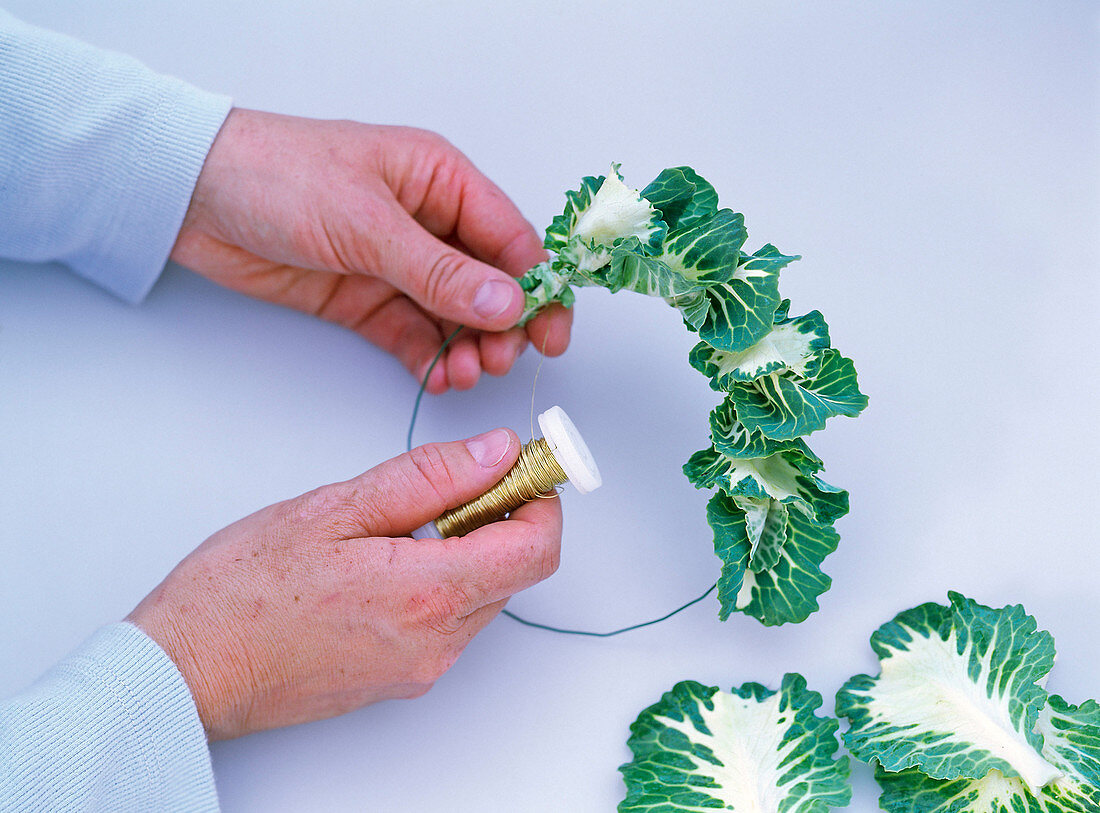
446	282
402	494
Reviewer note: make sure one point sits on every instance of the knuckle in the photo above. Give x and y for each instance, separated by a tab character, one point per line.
547	561
371	249
519	244
444	661
437	609
322	508
430	465
432	667
337	510
444	278
415	690
321	503
427	140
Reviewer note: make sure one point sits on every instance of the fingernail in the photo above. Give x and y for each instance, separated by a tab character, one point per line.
493	298
489	449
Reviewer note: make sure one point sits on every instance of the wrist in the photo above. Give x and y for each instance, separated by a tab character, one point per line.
203	212
196	657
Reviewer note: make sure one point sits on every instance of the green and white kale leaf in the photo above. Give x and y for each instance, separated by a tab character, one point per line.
748	750
958	720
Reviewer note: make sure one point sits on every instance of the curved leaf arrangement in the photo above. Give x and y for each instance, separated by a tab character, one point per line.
772	515
958	720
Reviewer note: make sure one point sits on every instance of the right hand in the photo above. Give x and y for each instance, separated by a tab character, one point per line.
319	605
389	231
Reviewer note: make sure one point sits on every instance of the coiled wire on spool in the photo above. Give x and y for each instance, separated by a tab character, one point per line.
535	473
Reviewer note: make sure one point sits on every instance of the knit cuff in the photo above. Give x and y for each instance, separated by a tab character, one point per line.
164	723
99	156
111	727
154	188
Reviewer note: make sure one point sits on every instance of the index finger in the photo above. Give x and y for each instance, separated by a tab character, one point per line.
494	230
549	330
501	559
463	203
506	240
475	212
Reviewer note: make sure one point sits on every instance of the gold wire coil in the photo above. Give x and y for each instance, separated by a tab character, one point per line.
535	473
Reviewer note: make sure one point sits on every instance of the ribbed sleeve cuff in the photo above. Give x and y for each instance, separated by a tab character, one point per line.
99	156
112	727
154	189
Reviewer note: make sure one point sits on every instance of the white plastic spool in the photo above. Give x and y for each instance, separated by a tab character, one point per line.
568	448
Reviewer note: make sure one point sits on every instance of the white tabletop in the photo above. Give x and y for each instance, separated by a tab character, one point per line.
938	169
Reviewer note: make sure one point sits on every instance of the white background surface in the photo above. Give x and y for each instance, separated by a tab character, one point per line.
936	166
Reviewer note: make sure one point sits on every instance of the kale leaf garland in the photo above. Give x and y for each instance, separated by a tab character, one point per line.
772	515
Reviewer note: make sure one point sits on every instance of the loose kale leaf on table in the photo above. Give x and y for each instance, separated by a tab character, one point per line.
751	749
959	721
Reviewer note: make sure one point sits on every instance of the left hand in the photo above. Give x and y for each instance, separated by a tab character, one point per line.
389	231
319	605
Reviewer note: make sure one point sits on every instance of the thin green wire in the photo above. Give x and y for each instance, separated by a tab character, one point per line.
631	628
424	386
513	616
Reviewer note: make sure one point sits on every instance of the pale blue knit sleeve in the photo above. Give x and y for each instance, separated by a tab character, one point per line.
98	157
110	728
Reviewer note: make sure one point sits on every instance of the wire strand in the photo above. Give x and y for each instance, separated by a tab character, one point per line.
424	386
509	613
631	628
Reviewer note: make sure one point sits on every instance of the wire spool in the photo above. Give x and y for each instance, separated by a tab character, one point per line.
575	461
560	456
